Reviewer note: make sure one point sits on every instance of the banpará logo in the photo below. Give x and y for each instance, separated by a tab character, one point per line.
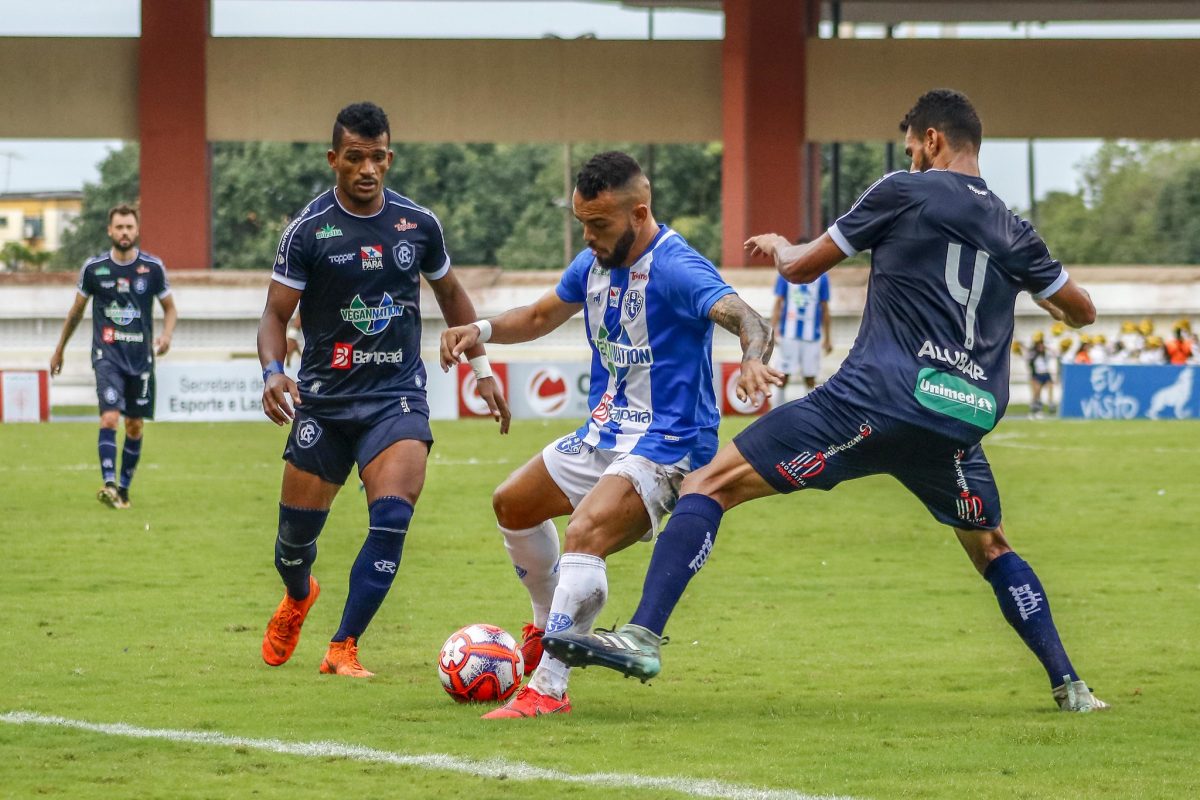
371	320
341	258
122	315
378	357
329	232
372	256
308	433
405	254
605	411
633	303
114	336
343	355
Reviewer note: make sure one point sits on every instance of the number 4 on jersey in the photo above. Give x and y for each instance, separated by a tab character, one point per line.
968	298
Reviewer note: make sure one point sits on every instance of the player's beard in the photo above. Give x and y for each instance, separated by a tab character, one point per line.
123	244
620	250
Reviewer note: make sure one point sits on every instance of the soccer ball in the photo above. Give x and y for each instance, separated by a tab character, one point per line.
480	663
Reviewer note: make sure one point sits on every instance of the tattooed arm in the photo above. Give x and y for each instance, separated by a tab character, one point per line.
757	339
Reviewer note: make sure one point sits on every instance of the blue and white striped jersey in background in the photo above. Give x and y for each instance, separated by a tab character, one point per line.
651	378
801	315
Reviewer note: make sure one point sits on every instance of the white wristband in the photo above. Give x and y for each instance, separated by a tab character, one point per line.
485	329
481	367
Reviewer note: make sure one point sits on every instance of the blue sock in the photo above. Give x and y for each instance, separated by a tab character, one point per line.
375	568
107	446
129	460
680	552
1023	601
296	546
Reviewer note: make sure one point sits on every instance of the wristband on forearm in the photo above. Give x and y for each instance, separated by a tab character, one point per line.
481	367
485	329
272	368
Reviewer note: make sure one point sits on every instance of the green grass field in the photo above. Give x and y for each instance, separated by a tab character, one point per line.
836	644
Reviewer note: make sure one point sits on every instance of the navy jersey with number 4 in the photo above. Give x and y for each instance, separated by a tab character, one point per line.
947	262
122	308
361	292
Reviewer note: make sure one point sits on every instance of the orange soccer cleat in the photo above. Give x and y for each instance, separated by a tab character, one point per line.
529	702
342	659
283	631
531	647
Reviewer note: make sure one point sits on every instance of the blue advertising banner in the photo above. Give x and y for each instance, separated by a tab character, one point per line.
1129	391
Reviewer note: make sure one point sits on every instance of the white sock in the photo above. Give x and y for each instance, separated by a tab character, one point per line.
534	554
580	596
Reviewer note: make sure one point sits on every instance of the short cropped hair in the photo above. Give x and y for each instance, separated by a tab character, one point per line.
364	119
947	111
606	172
124	209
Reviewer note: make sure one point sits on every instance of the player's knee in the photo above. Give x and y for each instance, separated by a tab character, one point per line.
133	427
300	527
389	519
507	505
110	420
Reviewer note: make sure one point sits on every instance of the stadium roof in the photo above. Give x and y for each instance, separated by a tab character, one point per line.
891	12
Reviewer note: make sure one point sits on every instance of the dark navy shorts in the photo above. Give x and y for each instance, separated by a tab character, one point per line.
1043	377
818	442
130	393
328	442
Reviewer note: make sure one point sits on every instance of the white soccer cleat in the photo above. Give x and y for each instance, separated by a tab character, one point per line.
1076	696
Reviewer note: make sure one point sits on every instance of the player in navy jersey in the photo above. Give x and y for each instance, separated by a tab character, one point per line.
926	379
122	284
353	259
649	302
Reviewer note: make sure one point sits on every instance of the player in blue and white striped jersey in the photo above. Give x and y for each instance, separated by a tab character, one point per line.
649	302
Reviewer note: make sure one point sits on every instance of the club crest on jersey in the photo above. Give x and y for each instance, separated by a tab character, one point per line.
372	256
570	444
308	433
139	285
371	320
405	254
633	304
328	232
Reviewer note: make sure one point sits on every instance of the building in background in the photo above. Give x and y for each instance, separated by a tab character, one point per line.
34	222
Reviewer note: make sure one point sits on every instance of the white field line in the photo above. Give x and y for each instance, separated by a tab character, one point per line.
492	768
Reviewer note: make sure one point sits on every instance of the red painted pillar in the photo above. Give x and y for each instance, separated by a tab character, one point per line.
765	176
175	207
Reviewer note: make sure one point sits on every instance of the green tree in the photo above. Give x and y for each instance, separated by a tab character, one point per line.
118	184
18	256
862	163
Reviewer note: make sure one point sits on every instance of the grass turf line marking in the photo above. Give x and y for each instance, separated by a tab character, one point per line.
492	768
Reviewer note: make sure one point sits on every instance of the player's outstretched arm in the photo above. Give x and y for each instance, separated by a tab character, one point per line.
69	326
799	263
170	316
280	393
522	324
459	311
757	339
1070	304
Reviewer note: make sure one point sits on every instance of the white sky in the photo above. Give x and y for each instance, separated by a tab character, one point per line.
67	164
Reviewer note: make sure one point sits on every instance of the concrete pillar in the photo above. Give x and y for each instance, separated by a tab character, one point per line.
175	205
767	180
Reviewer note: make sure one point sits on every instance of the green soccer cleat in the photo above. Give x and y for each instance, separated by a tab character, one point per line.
631	650
1076	696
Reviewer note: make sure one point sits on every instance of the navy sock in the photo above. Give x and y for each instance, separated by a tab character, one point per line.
680	552
296	546
375	568
1023	601
129	460
107	446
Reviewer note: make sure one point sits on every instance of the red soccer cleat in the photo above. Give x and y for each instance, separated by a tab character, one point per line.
529	702
531	647
283	631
